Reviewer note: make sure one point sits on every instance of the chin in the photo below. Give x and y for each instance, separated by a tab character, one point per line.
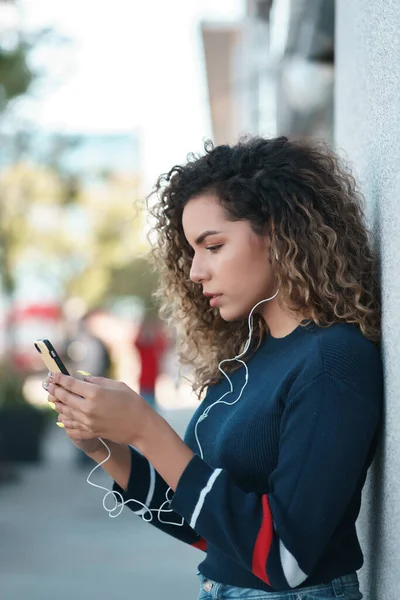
231	315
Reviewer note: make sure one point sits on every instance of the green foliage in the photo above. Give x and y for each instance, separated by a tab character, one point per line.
51	222
79	236
15	75
137	278
30	198
114	240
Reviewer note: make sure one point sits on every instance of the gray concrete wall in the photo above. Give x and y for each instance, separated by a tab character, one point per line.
367	128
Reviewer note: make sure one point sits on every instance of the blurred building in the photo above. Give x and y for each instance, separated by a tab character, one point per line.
272	73
332	70
257	91
367	129
305	66
240	75
221	42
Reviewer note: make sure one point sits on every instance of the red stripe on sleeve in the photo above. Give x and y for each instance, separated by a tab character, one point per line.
201	545
263	543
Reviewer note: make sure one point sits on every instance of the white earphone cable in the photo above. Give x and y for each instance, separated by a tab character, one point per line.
146	512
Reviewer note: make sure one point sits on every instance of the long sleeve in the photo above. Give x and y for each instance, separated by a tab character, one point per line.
327	431
149	488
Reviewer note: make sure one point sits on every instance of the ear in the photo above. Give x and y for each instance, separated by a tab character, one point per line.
273	253
269	247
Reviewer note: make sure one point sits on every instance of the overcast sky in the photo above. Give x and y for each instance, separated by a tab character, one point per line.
134	65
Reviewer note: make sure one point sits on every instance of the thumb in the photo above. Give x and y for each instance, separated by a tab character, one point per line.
101	381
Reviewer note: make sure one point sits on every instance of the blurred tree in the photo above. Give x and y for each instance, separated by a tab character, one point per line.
76	238
115	236
16	46
31	197
136	278
15	75
55	224
16	79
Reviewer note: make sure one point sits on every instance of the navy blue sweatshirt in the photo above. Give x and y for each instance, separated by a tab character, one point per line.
274	500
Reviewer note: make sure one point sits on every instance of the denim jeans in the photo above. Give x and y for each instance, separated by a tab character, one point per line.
345	587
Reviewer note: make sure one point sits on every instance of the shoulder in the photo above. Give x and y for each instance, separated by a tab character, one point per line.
347	354
342	352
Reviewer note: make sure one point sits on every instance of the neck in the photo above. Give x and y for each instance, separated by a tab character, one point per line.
281	321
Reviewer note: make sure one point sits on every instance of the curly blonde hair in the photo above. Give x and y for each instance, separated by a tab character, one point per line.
305	198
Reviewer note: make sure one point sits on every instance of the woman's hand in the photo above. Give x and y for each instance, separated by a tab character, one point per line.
99	407
91	446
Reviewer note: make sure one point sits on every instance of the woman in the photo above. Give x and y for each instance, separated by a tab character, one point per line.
268	273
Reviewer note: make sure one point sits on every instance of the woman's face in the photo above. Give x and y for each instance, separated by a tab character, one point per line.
232	261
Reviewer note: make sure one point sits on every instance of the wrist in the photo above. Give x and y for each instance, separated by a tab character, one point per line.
152	425
99	453
165	450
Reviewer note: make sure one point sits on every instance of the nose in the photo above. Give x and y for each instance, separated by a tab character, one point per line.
197	270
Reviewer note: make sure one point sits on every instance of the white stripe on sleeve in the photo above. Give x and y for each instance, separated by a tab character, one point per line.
202	497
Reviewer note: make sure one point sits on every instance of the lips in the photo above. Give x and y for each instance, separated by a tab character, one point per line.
214	299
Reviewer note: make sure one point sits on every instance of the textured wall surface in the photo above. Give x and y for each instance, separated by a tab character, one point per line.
367	128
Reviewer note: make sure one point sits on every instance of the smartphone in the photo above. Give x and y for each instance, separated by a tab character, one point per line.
50	357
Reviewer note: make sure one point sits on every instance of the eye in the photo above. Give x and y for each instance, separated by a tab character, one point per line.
214	249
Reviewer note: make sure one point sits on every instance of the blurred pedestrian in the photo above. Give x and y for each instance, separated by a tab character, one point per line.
86	348
269	275
89	353
151	345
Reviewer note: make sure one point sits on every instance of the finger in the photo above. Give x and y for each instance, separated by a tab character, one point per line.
75	386
52	401
79	434
68	398
100	381
65	412
104	382
71	424
61	395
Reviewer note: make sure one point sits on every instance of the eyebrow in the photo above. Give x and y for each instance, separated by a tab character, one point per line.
199	240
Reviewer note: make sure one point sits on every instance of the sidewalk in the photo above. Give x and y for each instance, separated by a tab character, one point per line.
56	540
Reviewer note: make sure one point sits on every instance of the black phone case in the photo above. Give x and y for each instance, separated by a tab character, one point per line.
50	357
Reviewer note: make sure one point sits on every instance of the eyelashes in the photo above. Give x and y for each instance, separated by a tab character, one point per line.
214	249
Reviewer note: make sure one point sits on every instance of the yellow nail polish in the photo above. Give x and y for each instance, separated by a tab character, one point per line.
85	373
60	424
52	405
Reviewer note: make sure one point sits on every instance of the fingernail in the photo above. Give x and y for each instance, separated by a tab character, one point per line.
85	373
51	374
52	405
45	385
60	424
